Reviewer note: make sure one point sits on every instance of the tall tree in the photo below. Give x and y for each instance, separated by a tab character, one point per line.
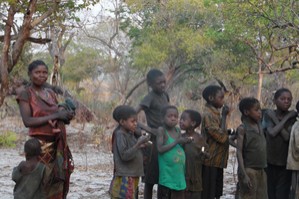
36	15
113	43
169	35
269	29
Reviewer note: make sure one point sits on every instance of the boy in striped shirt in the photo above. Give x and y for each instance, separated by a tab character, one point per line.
215	132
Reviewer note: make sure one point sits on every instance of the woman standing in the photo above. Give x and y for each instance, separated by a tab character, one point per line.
45	119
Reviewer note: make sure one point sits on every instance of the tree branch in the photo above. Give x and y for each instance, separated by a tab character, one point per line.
37	21
133	89
68	41
30	39
110	46
24	33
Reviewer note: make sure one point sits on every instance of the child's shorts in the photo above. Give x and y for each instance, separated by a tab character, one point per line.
258	180
124	187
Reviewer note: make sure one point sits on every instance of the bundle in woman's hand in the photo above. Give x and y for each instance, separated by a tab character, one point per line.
68	105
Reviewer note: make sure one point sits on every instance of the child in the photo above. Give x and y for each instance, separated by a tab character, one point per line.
127	155
152	104
29	174
251	152
194	152
214	130
293	158
277	125
171	155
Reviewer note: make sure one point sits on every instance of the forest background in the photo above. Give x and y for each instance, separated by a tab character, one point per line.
100	51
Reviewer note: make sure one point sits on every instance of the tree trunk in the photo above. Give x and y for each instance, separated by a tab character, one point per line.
55	75
260	82
5	55
9	58
57	51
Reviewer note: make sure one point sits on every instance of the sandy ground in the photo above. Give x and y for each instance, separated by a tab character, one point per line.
93	167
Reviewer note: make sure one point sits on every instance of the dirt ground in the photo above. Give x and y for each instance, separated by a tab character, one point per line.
93	164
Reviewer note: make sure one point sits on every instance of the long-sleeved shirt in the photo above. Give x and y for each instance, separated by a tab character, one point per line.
293	155
128	160
216	138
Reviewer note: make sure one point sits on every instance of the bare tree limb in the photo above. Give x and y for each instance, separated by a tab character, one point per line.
37	21
280	70
110	46
133	89
68	41
24	33
31	39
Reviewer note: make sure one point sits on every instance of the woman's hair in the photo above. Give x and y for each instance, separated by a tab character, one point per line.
166	108
35	64
152	75
194	116
247	103
210	90
123	112
279	92
32	147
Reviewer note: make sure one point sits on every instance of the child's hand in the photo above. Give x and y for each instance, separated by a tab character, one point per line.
246	182
184	140
142	140
292	114
65	115
225	110
206	155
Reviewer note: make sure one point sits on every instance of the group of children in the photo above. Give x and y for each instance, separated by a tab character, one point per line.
190	164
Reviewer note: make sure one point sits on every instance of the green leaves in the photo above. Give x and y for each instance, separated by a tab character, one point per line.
172	37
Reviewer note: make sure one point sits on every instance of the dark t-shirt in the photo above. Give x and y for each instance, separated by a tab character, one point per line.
152	105
29	185
277	147
254	147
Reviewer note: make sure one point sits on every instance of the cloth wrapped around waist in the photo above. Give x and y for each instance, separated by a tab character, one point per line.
48	153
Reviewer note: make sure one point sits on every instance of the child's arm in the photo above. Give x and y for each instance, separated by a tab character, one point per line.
232	139
212	128
295	134
164	148
225	111
240	140
126	152
17	173
279	125
148	129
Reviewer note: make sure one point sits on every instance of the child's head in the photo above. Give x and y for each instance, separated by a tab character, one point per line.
156	80
214	95
170	115
250	107
283	99
32	148
126	116
190	119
